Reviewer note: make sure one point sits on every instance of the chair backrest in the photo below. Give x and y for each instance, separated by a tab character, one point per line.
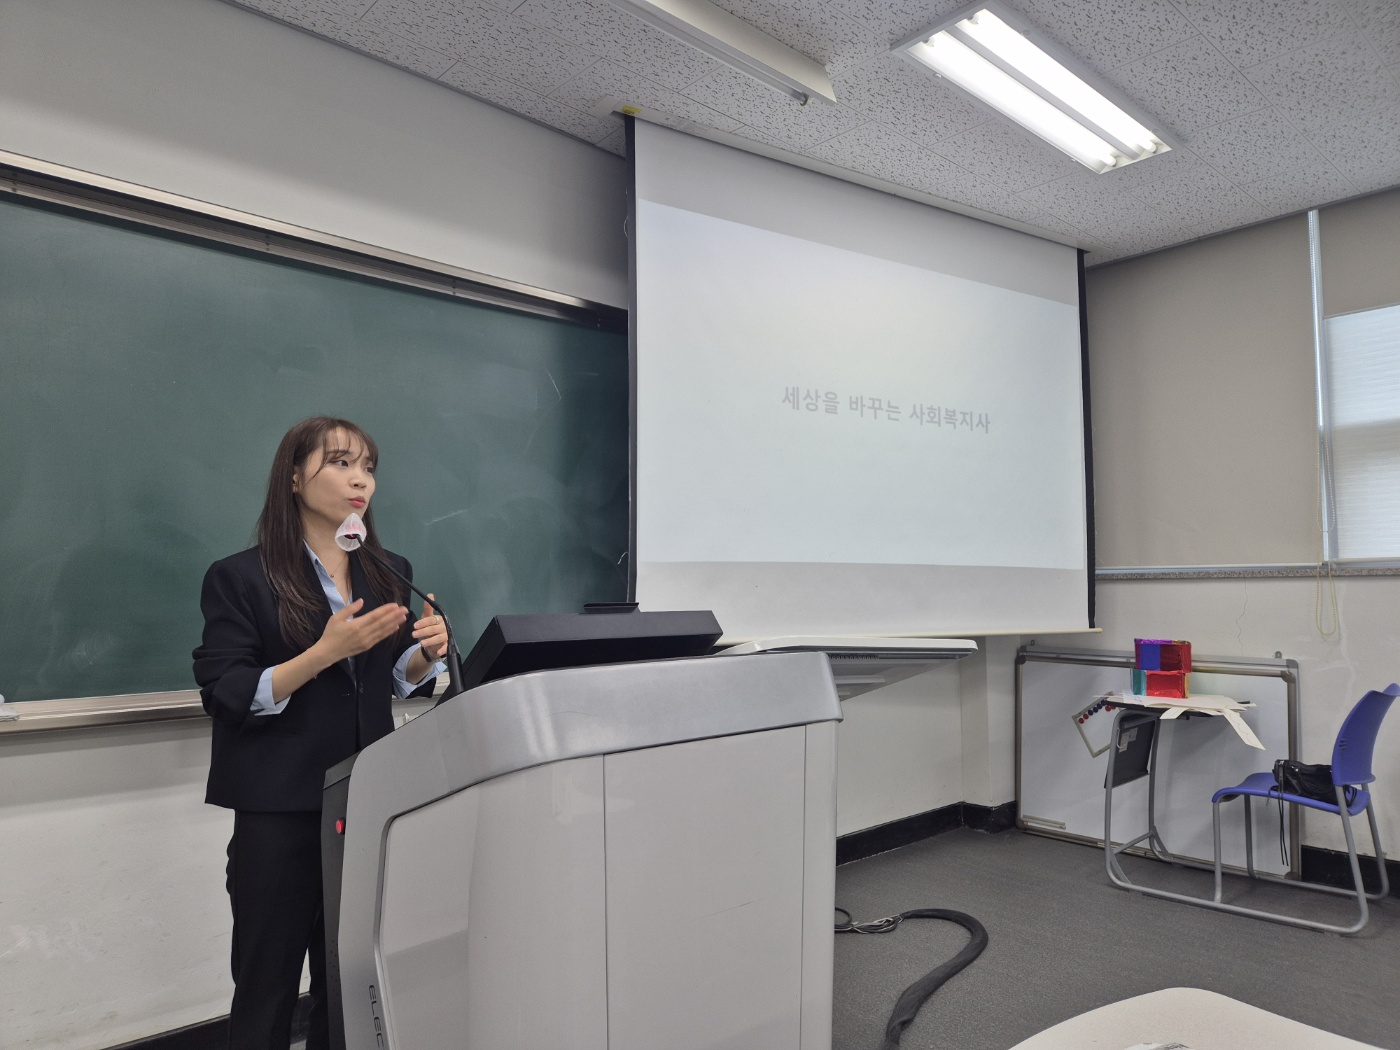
1356	740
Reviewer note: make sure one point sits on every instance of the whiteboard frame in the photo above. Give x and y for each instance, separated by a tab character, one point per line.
1262	667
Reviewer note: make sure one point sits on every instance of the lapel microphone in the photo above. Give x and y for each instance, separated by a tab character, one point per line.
351	537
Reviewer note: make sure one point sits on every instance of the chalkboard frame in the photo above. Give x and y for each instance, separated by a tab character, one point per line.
34	182
26	178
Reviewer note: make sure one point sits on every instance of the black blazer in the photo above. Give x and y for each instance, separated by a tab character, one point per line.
277	763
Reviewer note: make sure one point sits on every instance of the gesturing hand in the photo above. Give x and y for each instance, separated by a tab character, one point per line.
431	633
344	637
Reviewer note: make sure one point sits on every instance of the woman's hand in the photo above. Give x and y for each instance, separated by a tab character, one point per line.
431	633
344	637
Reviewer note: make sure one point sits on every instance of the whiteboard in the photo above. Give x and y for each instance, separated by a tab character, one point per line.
1060	785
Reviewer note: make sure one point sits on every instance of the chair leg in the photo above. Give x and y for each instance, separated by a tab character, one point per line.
1361	900
1248	834
1380	853
1215	819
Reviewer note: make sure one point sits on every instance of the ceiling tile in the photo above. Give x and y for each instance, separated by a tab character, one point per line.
485	37
876	150
662	105
808	27
615	143
1193	197
497	90
1139	243
339	22
1303	123
985	195
1248	32
886	22
1070	196
1187	86
552	111
1137	230
611	33
396	49
1108	219
1104	34
311	10
771	111
1056	225
1365	147
1104	255
1362	146
586	126
1308	187
1253	146
1385	177
1005	154
914	103
1317	84
1380	23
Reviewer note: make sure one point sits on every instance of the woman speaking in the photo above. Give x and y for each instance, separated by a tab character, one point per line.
304	645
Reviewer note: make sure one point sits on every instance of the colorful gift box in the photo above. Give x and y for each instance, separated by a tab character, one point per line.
1163	667
1170	684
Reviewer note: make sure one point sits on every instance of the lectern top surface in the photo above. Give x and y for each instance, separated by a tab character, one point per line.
518	644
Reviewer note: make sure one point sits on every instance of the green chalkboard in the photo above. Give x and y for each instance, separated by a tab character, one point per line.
146	378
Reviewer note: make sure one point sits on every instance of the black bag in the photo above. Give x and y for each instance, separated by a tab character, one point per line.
1298	778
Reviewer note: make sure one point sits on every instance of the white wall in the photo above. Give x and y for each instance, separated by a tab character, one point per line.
899	750
213	102
114	923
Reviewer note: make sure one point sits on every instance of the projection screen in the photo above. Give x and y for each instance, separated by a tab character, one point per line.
855	413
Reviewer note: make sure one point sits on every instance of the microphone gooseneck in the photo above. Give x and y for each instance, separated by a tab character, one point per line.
350	537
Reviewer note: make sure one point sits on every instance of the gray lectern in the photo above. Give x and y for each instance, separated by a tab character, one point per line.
619	857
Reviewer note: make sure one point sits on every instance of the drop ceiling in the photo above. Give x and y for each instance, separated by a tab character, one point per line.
1276	105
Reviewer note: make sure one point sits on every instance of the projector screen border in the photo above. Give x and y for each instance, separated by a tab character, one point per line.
630	230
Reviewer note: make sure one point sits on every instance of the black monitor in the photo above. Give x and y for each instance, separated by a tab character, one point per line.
608	634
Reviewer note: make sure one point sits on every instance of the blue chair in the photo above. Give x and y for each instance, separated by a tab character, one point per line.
1351	768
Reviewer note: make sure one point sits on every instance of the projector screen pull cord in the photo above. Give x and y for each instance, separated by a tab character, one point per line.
914	997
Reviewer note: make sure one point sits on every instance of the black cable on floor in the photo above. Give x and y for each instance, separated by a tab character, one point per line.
912	998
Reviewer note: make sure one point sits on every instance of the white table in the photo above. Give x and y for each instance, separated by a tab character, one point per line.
1200	1019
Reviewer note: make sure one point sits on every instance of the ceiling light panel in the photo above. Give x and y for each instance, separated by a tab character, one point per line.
988	52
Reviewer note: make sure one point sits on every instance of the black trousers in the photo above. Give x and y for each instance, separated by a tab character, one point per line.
274	887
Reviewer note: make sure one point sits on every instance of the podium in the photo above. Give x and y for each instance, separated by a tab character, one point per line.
617	857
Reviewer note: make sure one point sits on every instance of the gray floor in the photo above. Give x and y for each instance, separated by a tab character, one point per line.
1063	941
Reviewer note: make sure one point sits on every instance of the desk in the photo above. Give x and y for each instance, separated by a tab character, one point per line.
1132	759
1060	784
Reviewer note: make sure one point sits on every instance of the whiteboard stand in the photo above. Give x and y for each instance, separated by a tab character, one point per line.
1058	781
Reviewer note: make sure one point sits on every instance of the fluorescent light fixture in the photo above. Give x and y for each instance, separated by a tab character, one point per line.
734	42
983	52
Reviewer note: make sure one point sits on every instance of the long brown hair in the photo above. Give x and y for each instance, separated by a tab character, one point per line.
280	539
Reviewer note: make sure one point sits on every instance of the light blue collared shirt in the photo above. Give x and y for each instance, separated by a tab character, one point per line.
262	697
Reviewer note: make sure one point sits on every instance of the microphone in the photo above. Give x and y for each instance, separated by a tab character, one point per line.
351	537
